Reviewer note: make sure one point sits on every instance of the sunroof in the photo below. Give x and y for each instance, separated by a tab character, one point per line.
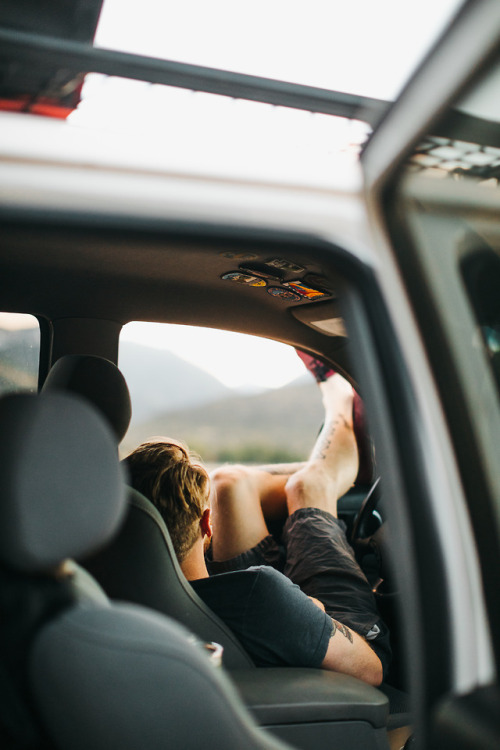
363	47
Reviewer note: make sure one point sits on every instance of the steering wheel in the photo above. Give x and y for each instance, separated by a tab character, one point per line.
368	539
364	519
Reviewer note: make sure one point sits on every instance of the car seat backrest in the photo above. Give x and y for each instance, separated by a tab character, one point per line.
95	674
140	565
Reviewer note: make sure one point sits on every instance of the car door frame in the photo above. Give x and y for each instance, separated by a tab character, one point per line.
451	67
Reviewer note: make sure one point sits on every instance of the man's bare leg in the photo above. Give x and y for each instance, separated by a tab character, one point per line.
239	495
244	497
272	491
333	464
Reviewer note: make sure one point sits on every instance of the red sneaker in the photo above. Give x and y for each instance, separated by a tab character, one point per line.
316	367
321	372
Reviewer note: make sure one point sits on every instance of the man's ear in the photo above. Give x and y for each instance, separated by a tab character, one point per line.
206	523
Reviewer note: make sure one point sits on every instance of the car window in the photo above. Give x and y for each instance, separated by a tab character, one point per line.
20	352
230	397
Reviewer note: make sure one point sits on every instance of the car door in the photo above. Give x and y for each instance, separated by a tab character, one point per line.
432	172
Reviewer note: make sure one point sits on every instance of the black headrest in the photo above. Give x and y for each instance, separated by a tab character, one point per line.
61	485
100	381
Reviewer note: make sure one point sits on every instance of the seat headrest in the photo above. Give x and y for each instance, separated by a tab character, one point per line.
100	381
62	491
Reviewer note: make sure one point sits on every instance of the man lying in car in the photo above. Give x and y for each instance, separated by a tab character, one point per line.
304	602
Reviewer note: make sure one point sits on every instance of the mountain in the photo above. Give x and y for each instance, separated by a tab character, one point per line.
278	425
159	381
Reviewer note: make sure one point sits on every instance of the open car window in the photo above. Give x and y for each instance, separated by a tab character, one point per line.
231	397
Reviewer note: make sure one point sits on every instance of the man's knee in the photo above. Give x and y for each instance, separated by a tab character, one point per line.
299	484
308	487
306	480
229	481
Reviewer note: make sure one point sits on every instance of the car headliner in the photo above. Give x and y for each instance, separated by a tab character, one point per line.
83	238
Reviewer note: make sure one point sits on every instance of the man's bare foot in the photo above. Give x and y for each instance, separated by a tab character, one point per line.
338	397
333	465
321	372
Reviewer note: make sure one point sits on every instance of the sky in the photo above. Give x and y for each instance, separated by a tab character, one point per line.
236	359
367	47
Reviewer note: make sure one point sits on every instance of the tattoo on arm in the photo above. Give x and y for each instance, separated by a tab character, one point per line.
342	629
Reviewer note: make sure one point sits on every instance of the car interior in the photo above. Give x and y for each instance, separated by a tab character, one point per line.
176	274
86	269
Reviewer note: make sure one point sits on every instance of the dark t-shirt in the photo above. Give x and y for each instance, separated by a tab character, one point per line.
274	620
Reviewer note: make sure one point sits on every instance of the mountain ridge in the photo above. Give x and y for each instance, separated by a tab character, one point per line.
276	426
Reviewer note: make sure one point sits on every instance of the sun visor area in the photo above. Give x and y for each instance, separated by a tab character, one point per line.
324	317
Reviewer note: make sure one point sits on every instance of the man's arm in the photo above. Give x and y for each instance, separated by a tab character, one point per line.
349	653
292	628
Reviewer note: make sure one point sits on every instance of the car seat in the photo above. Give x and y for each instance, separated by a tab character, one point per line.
91	674
139	564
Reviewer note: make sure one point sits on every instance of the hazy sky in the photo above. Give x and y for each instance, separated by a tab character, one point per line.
237	360
362	46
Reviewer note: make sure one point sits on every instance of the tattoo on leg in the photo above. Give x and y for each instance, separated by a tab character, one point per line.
324	441
342	629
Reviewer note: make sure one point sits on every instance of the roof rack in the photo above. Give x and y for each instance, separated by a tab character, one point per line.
54	53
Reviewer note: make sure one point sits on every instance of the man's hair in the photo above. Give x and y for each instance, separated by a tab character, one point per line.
175	481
